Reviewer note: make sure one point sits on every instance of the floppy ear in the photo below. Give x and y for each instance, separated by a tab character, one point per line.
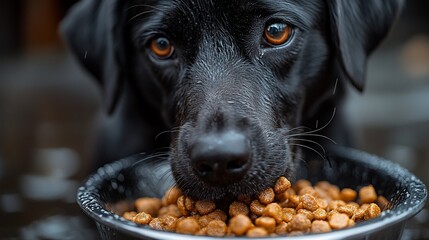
94	30
358	26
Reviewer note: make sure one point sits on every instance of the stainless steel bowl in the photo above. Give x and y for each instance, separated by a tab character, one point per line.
140	175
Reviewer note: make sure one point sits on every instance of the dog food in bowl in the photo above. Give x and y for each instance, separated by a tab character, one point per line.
280	210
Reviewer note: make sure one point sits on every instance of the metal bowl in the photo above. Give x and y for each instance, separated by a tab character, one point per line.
118	183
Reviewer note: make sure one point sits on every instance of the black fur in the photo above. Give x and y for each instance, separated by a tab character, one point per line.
224	76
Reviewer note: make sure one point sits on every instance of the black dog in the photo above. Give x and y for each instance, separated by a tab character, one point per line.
235	81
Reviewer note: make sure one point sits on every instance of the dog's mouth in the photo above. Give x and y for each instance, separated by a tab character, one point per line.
229	163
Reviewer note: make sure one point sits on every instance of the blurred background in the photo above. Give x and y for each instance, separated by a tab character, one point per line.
48	103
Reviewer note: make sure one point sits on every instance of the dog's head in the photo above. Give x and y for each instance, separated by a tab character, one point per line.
235	77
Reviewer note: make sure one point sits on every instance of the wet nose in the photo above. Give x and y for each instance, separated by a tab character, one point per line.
221	158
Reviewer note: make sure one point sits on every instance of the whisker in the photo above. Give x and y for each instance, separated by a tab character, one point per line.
142	5
152	157
311	141
139	14
310	148
173	130
297	128
311	135
327	124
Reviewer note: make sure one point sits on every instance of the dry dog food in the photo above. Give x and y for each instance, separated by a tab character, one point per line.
281	210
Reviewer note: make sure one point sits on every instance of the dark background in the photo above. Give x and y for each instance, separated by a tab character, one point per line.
48	103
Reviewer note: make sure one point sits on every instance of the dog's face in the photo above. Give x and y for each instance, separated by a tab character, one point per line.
234	73
235	79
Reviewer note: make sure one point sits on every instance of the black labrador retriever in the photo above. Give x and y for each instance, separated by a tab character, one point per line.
238	83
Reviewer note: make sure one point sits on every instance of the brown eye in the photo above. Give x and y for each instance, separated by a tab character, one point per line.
161	47
278	33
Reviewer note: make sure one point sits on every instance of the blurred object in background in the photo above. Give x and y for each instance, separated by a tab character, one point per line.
391	117
48	103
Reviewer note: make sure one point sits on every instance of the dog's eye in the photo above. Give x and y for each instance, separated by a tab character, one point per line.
161	47
277	33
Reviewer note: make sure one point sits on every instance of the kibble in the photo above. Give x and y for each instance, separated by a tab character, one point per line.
284	209
237	208
188	226
205	206
266	196
281	185
142	218
216	228
367	194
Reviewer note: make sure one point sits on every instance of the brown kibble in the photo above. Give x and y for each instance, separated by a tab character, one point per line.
321	193
348	194
287	217
172	195
170	210
334	192
218	215
307	213
156	224
215	215
309	202
205	206
256	207
266	222
367	194
338	221
257	232
148	205
348	209
334	204
181	205
372	211
317	209
319	226
240	224
382	202
266	196
293	201
288	214
273	210
281	228
322	203
216	228
188	226
307	190
238	208
189	204
282	184
299	223
202	232
142	218
320	214
285	195
300	184
167	223
324	185
358	215
129	215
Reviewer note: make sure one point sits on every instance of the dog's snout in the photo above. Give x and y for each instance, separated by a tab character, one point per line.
221	158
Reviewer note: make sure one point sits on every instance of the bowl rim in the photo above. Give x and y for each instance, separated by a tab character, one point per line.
89	202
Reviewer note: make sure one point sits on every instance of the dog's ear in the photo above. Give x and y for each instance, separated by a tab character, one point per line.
94	31
358	26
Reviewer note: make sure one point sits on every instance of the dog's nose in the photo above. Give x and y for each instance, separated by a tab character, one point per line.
221	158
